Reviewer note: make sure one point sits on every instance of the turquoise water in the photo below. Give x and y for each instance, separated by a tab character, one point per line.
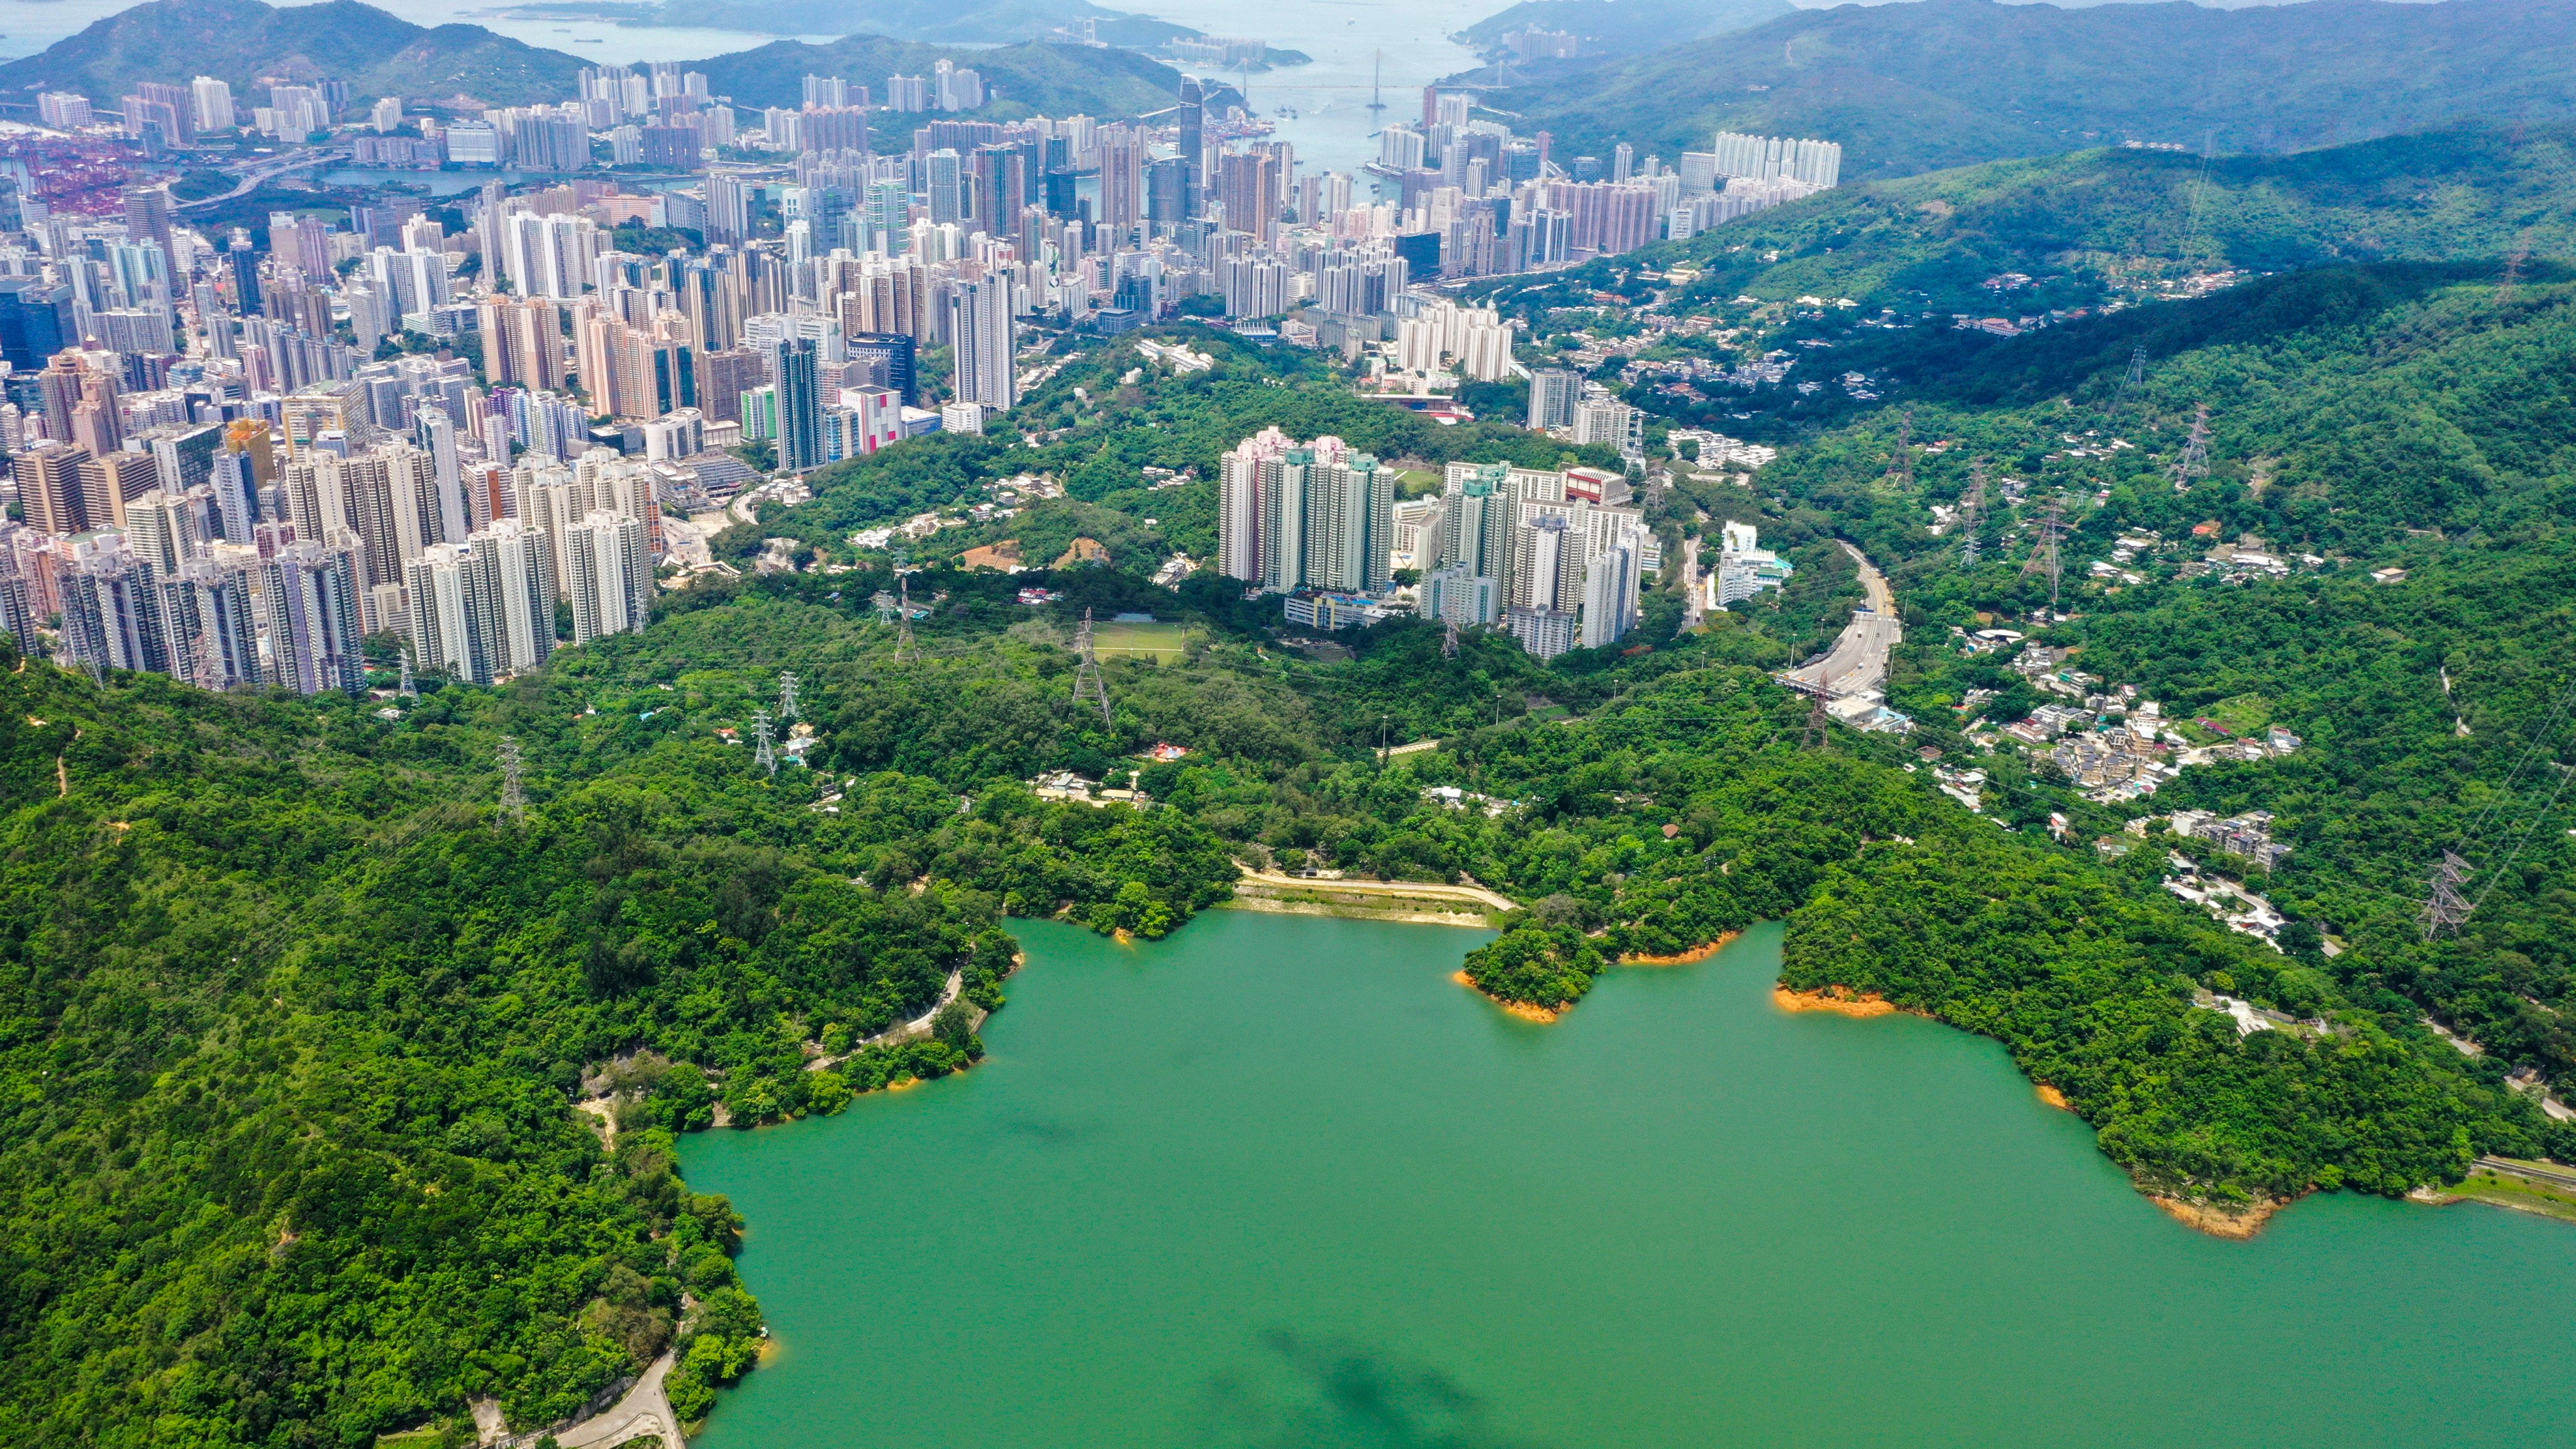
1279	1181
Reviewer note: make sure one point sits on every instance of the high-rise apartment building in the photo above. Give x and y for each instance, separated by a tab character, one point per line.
610	581
216	614
53	493
1814	163
1553	392
1305	516
212	101
309	600
986	338
514	568
523	342
800	404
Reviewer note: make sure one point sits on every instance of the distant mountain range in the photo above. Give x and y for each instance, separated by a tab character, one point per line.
1625	27
248	43
1057	80
1908	88
2077	224
945	22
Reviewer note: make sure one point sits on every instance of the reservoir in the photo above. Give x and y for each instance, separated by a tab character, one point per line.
1279	1181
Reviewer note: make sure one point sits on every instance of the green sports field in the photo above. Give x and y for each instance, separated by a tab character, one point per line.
1160	642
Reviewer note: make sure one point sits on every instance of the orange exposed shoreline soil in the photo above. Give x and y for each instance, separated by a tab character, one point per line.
2218	1222
1696	953
1840	1000
1527	1012
1522	1009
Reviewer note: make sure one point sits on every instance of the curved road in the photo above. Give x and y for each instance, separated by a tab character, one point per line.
1857	664
259	174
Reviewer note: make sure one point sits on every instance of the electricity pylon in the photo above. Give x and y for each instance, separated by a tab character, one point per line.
786	697
1817	719
2043	554
514	799
2447	909
905	651
1087	683
766	757
2133	382
1971	516
2195	452
1900	464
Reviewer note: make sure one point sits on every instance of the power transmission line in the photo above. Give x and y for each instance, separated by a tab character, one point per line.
1900	464
2199	189
2564	775
2538	744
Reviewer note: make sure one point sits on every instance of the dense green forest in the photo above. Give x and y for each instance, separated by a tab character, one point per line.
2387	417
295	1024
1907	88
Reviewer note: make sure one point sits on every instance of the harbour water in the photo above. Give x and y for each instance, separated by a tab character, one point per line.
1279	1181
1361	48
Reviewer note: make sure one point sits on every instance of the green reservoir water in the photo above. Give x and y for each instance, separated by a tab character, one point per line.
1278	1181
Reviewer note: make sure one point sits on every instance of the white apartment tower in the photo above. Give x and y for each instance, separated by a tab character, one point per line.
513	564
213	102
986	337
1310	516
610	584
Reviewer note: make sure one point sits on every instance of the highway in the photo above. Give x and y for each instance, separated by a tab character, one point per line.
267	171
1857	663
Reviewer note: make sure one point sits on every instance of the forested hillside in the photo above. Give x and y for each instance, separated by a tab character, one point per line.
2378	418
1031	78
296	1023
975	22
1610	27
246	41
2112	226
1921	86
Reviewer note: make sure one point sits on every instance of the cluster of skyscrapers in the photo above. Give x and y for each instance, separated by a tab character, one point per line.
241	541
1554	556
232	415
